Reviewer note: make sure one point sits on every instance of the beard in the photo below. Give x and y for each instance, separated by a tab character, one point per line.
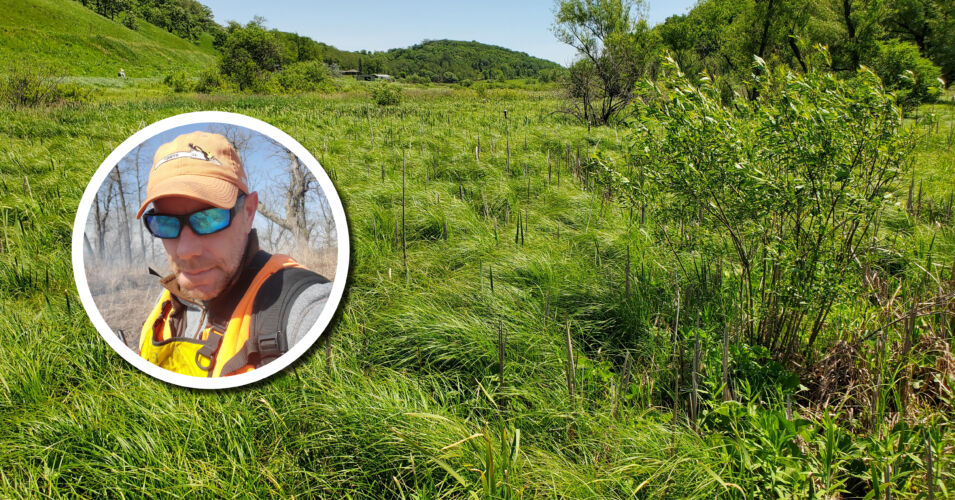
203	278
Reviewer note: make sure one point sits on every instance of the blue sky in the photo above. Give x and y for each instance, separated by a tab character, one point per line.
522	25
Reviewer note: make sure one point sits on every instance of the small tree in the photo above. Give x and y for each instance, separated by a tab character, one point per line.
618	47
248	54
386	94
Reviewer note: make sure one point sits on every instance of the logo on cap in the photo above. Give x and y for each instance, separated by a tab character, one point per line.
196	153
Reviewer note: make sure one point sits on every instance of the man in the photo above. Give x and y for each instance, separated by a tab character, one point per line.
227	307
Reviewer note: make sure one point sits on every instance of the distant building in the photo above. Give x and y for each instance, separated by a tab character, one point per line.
350	72
374	77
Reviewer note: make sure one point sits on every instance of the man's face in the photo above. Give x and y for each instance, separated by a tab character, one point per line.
205	264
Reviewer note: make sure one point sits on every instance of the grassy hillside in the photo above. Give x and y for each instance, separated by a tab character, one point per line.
76	41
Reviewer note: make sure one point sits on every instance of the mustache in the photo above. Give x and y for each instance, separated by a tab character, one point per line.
190	266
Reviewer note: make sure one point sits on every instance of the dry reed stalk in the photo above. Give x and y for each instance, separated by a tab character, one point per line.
501	348
626	271
404	239
571	368
676	358
727	392
623	383
694	396
929	468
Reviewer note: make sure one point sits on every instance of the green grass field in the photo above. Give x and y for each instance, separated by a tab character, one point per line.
447	373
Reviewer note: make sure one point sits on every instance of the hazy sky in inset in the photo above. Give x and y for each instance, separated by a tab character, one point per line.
522	25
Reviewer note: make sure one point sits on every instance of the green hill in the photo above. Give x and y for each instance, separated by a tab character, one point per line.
76	41
440	59
472	60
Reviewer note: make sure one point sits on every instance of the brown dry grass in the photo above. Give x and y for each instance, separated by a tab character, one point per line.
323	262
124	296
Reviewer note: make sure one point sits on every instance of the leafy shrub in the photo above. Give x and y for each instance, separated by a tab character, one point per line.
914	78
793	182
266	83
209	80
178	81
303	76
28	86
129	21
75	93
385	94
480	88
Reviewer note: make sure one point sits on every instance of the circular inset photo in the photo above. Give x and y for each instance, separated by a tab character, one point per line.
210	250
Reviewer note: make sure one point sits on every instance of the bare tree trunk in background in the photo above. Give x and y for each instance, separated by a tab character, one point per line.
98	224
139	200
295	200
88	246
325	224
294	221
123	217
101	213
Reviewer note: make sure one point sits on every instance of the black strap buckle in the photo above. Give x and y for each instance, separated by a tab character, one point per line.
270	345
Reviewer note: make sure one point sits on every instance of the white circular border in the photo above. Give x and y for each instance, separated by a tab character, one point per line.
338	285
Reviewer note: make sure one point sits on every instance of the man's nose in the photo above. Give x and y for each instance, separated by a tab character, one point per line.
189	245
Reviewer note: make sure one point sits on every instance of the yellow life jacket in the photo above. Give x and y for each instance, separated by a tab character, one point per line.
216	353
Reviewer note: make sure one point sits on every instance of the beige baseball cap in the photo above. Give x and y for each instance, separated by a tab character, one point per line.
197	165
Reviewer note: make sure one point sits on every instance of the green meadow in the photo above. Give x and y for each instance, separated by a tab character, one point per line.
508	329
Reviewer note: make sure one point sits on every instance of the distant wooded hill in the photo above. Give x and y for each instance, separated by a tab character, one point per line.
451	61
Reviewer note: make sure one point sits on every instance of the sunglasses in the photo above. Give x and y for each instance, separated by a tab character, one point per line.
208	221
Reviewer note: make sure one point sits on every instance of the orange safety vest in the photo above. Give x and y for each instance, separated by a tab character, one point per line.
208	355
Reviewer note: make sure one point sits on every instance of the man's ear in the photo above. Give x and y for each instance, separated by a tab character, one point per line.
251	206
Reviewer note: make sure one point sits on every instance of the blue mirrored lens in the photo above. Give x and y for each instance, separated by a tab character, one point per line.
209	221
163	226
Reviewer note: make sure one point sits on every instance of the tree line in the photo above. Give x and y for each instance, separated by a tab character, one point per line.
910	44
187	19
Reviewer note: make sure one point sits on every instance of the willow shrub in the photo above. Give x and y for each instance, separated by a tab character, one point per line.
785	191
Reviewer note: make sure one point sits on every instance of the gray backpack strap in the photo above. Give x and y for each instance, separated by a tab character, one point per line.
268	337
